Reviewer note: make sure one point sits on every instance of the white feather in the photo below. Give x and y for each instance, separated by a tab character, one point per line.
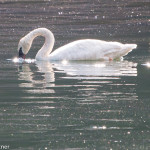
85	49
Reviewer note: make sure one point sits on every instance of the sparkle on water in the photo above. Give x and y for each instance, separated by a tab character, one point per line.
21	60
75	105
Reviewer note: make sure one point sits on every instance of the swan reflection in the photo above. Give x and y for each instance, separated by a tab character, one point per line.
97	69
42	79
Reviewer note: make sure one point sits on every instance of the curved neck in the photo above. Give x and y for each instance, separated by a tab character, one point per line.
44	52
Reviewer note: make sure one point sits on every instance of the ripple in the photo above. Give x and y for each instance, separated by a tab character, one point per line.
108	128
21	60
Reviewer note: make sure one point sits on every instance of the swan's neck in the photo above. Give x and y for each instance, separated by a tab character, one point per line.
44	52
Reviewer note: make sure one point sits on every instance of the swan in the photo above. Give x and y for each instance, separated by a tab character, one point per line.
84	49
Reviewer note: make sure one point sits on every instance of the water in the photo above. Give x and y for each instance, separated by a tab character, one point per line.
75	105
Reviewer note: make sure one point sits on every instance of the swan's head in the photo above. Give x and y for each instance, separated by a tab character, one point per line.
23	47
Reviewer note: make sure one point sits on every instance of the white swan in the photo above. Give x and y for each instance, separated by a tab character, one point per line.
85	49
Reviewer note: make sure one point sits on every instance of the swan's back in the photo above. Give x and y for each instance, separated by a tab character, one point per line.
91	49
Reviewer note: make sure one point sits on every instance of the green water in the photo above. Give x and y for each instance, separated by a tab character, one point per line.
83	105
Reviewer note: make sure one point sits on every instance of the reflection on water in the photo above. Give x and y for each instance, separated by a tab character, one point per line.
97	69
75	105
38	83
80	70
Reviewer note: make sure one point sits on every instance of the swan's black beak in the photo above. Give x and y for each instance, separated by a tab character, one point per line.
21	54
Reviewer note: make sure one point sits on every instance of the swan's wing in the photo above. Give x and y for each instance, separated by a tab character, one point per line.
118	50
88	50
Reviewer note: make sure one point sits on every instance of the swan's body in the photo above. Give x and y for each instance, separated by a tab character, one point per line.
86	49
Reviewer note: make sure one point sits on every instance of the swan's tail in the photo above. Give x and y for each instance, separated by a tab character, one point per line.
131	46
128	48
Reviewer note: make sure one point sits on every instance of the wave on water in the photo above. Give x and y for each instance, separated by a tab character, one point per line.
21	60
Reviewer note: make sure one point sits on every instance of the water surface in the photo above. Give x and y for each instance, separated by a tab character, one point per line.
75	104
